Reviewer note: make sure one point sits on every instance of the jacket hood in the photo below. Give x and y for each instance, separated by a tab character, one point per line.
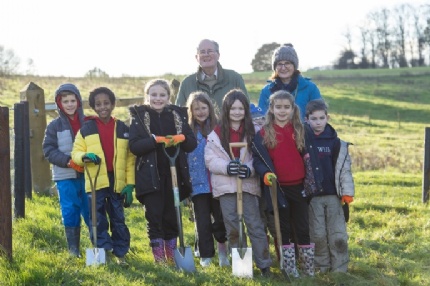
328	133
71	88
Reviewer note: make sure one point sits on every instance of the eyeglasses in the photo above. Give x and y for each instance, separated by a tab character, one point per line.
206	52
286	64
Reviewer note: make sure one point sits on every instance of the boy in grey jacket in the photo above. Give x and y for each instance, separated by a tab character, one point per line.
68	176
327	227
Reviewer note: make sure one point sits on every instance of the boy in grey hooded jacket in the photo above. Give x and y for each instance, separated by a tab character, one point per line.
69	178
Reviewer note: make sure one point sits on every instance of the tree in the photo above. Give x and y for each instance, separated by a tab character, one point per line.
9	63
346	60
96	72
263	58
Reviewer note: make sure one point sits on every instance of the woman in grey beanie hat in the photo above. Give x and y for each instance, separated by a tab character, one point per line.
286	76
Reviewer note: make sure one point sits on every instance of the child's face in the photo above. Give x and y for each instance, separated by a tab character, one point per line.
318	120
158	97
70	104
283	111
103	106
258	120
237	112
200	111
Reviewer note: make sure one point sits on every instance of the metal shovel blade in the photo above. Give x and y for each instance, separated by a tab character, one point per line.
184	261
95	256
242	267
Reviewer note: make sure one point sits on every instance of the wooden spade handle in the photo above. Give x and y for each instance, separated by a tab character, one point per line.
238	180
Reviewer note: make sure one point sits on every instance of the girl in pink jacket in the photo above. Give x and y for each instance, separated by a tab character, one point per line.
236	126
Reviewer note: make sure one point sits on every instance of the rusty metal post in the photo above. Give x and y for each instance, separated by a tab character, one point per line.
426	168
5	186
40	169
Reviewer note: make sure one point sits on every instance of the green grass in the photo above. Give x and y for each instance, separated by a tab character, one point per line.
382	112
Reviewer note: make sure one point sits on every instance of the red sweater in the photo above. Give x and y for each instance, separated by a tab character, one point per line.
287	160
107	134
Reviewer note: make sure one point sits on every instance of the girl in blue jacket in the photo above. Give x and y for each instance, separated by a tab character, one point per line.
207	210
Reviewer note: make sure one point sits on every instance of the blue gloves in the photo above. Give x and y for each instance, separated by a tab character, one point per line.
91	157
127	192
233	167
244	172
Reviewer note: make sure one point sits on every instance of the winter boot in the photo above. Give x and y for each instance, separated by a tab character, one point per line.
73	236
223	254
169	247
289	256
306	259
157	246
278	255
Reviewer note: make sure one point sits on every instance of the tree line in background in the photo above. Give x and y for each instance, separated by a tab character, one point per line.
389	38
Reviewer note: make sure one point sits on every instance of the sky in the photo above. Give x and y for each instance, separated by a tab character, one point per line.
154	38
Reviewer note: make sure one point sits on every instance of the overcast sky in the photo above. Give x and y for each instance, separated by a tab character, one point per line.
150	38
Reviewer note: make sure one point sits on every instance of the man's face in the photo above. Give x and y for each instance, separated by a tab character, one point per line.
207	56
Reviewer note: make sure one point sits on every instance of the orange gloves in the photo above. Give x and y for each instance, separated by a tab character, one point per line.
163	140
75	166
170	140
268	178
176	139
347	199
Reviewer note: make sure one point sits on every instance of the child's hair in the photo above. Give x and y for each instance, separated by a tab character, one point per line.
315	105
158	81
98	91
269	131
203	97
248	125
65	93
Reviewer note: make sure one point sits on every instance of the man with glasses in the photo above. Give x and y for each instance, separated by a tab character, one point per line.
286	76
211	77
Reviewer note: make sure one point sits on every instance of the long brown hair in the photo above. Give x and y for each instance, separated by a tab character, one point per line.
211	121
269	138
248	131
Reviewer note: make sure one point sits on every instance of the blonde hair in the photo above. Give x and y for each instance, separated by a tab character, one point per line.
158	81
211	121
269	138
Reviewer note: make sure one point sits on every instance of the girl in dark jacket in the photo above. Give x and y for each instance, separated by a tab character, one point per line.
152	124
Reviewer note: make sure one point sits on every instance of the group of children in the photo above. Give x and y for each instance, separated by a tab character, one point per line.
310	163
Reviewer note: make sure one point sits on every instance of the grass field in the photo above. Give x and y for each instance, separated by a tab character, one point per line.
382	112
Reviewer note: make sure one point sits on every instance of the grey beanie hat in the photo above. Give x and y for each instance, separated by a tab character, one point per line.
285	53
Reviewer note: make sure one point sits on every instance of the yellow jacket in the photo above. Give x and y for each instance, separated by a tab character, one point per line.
88	141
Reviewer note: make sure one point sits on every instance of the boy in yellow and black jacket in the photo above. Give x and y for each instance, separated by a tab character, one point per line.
103	140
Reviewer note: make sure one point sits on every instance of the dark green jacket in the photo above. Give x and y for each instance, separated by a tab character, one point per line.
226	80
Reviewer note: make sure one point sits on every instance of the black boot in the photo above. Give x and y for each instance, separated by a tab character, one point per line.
73	236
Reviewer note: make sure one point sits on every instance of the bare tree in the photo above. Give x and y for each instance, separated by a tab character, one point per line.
9	63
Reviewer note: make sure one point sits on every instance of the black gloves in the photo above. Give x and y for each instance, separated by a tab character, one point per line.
233	167
244	172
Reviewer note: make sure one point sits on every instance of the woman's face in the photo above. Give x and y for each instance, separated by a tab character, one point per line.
158	97
285	70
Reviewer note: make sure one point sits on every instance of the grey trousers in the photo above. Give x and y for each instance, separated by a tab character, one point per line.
254	226
327	229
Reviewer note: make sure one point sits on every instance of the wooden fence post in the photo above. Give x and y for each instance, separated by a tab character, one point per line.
5	184
426	168
41	174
